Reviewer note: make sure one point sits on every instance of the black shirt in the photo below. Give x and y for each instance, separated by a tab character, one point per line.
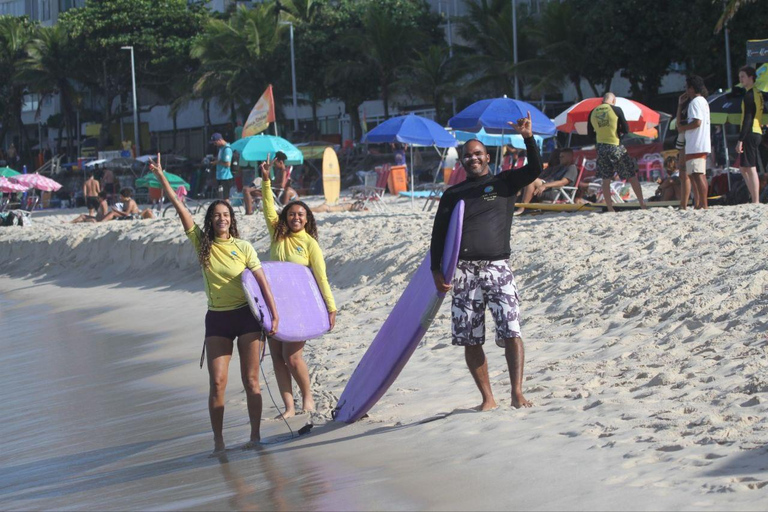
489	202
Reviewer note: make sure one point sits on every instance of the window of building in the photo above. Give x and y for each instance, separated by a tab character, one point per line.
45	10
31	102
12	8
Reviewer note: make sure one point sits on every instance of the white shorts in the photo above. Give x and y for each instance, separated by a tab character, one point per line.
696	166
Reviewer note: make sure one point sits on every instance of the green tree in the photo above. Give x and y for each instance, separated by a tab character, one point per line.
51	69
160	32
430	76
236	57
16	38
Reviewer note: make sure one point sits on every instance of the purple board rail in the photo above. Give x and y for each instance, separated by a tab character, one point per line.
406	325
302	310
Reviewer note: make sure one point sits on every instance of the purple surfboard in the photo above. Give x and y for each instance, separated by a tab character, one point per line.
406	325
302	310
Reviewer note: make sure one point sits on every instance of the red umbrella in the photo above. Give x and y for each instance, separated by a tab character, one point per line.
575	118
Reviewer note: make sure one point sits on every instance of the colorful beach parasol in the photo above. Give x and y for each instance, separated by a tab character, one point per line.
7	172
575	118
256	148
7	185
37	181
150	181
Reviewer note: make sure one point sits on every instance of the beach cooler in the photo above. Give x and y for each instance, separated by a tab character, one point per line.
398	179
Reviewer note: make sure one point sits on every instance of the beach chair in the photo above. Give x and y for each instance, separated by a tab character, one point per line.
458	174
567	194
650	167
373	189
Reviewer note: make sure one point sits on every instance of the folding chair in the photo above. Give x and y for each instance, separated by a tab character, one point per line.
567	194
457	176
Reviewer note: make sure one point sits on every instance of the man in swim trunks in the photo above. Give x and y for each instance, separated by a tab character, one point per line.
697	142
108	183
91	189
483	276
606	125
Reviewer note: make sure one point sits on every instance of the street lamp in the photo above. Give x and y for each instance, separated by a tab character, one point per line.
514	46
293	80
135	108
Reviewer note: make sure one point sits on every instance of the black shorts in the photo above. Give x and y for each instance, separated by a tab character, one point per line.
231	324
749	150
92	202
225	186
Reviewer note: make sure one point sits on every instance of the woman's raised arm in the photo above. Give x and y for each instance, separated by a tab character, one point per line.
186	218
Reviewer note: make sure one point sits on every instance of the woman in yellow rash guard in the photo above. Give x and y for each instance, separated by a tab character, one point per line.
293	235
223	257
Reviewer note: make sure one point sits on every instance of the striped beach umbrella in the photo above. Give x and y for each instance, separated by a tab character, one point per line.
575	118
7	185
37	181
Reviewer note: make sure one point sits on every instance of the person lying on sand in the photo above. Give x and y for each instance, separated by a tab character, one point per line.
483	275
357	206
102	210
130	209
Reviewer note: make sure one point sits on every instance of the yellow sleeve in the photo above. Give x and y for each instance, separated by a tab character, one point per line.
317	265
251	258
268	200
195	235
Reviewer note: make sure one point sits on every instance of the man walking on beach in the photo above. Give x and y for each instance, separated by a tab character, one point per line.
606	126
91	189
223	162
483	275
698	145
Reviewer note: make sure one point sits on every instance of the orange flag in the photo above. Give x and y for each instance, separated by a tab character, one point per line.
262	114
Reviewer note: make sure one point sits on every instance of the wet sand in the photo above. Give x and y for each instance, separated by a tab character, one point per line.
646	359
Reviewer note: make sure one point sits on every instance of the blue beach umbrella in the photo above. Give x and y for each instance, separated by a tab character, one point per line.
494	115
256	148
494	140
411	129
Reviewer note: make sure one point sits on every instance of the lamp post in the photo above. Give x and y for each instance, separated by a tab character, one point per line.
514	46
135	108
293	80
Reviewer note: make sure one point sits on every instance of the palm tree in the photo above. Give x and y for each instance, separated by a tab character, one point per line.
235	56
430	76
385	45
16	36
50	69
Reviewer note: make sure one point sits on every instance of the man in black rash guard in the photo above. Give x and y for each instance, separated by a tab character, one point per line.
483	276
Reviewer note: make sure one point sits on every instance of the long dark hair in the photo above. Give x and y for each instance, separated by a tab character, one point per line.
282	230
204	256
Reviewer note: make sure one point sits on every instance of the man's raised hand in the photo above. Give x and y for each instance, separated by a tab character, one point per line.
523	126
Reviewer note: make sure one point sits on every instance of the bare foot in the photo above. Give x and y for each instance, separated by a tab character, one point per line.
287	414
219	447
253	444
519	401
487	406
308	406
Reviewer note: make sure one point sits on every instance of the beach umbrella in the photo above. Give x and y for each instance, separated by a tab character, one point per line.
411	129
575	118
7	185
495	140
150	181
256	148
762	78
494	115
7	172
37	181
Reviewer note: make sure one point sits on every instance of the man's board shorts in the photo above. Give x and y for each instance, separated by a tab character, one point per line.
478	284
696	166
92	202
614	160
231	324
749	148
225	186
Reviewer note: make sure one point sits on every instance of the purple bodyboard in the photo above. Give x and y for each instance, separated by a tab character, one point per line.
302	309
406	325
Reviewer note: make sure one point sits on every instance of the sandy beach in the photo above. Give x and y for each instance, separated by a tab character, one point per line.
645	337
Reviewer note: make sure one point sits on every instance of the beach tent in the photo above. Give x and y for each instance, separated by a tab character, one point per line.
413	130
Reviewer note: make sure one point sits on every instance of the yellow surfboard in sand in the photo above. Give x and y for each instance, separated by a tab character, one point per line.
331	176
